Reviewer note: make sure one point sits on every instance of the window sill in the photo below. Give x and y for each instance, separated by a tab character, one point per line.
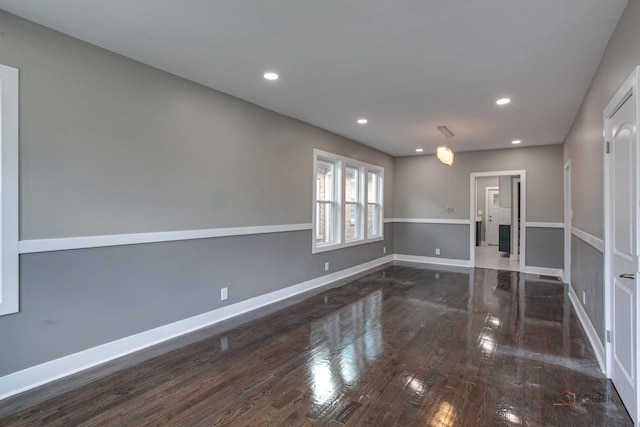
335	246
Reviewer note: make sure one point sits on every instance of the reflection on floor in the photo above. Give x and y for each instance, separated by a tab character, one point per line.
406	345
490	257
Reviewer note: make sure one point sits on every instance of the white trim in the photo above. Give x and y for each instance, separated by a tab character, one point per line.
66	243
433	260
531	224
514	254
543	271
35	376
594	241
567	215
497	173
347	244
592	335
523	210
9	175
432	221
388	220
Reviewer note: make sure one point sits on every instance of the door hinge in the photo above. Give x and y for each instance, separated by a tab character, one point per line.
607	147
608	336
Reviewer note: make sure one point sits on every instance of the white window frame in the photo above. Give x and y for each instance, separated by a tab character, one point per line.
9	278
358	203
341	163
336	197
378	203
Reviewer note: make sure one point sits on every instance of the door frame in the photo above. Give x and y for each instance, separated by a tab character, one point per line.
515	212
568	214
628	88
473	210
486	212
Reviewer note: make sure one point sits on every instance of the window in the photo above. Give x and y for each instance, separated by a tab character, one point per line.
348	207
326	205
352	204
9	189
374	204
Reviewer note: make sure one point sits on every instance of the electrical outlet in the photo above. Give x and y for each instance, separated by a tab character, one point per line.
224	294
584	297
326	266
384	250
437	251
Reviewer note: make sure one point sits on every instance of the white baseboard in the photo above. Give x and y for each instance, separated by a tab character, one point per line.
433	260
544	271
596	344
35	376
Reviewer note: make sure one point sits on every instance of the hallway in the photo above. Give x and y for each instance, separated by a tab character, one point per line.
490	257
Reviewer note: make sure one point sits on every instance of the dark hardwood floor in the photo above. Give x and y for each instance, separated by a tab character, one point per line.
406	345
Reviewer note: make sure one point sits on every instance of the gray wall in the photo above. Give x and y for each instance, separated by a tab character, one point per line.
423	239
545	247
584	142
108	145
583	146
78	299
586	276
424	186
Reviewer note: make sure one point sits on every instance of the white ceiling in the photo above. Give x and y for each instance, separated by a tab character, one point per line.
406	65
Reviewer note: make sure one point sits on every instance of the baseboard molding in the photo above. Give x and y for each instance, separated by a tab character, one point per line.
35	376
544	271
592	335
433	260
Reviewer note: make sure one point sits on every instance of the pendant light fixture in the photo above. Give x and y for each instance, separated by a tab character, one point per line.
444	153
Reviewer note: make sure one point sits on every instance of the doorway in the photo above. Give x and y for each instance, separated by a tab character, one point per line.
497	240
495	216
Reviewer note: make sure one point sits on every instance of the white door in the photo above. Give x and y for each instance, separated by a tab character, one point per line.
622	180
496	215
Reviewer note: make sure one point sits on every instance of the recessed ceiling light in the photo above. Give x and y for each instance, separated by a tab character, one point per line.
503	101
419	150
363	121
271	76
516	141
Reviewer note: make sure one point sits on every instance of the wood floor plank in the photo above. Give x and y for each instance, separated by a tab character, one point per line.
405	345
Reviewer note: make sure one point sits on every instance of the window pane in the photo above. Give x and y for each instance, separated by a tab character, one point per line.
372	187
351	185
325	173
373	220
325	222
351	221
